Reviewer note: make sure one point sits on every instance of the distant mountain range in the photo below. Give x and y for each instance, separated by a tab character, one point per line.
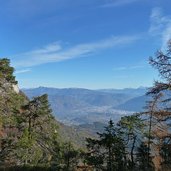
76	106
133	92
136	104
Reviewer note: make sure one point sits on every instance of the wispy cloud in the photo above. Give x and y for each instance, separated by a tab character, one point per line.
55	53
160	26
116	3
54	47
129	67
22	71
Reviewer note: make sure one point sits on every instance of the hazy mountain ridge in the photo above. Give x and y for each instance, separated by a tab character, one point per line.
75	106
136	104
133	92
92	97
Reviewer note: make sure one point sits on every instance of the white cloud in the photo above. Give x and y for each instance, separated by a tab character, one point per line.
54	52
129	68
22	71
160	26
54	47
116	3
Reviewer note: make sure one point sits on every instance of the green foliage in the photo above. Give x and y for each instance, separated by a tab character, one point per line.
144	161
29	136
131	128
108	152
70	157
27	150
39	129
28	130
6	72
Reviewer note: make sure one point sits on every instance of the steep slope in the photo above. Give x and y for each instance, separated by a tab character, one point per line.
76	134
29	133
136	104
11	98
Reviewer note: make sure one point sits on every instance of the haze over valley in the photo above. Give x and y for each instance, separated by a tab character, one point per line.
76	106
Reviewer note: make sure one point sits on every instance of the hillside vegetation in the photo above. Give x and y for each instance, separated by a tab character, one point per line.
31	138
28	130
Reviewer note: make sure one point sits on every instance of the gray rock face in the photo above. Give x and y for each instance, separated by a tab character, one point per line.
16	88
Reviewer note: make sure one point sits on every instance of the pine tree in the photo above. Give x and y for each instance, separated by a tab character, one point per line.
39	129
10	103
144	160
131	127
6	72
28	130
70	157
109	149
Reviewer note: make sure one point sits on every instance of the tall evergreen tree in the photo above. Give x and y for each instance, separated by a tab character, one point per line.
10	103
131	127
39	129
70	157
144	160
111	149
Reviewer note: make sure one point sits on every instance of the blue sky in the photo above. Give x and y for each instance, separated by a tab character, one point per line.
83	43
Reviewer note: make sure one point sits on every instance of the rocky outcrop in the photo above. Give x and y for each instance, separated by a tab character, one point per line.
16	88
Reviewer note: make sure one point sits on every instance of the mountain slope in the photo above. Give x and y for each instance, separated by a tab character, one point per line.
136	104
82	106
91	97
132	92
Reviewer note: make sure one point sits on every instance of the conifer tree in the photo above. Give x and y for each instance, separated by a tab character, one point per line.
70	157
39	130
111	149
131	127
162	63
10	103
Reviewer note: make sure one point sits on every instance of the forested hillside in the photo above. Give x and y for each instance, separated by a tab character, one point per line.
31	140
29	133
